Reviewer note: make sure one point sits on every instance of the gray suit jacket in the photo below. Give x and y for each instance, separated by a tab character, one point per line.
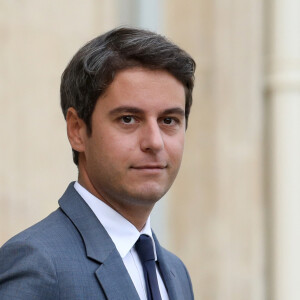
69	255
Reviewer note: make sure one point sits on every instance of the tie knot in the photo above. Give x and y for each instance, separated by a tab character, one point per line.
144	248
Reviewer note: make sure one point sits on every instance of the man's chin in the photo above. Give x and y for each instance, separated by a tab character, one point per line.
147	194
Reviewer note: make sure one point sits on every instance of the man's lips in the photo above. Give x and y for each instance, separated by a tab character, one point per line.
149	167
149	170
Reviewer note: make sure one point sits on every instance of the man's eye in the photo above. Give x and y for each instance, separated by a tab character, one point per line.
127	119
169	121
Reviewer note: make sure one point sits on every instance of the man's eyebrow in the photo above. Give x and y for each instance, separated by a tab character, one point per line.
175	110
135	110
126	109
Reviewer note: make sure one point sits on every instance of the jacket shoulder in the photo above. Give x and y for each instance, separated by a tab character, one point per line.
28	261
27	270
45	230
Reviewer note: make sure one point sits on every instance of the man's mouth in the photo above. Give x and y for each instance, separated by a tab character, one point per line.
149	166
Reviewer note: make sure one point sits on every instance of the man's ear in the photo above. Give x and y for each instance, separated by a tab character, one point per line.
76	130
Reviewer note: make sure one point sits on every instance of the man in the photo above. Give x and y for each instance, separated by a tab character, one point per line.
126	97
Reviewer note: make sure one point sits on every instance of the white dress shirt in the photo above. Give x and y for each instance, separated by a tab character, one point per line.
124	235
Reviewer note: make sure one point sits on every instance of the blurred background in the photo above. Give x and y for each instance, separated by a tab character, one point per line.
233	214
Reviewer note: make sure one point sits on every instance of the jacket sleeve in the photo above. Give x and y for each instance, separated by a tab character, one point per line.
27	272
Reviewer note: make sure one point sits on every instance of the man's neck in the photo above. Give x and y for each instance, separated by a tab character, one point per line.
135	214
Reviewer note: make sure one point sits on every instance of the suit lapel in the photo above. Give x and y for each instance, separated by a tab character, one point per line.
111	274
168	274
114	279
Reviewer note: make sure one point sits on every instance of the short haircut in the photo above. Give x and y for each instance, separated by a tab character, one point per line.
94	66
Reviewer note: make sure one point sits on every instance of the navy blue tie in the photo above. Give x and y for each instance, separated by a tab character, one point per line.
144	249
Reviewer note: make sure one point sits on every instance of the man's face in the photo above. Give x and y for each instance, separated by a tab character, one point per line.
138	127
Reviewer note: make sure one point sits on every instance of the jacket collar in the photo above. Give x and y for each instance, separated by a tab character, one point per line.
87	224
111	272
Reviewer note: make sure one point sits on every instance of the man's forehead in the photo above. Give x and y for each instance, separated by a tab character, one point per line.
136	88
128	74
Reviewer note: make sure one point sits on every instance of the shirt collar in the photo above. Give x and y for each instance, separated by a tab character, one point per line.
123	233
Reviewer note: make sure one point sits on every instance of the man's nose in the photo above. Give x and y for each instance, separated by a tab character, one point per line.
151	138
